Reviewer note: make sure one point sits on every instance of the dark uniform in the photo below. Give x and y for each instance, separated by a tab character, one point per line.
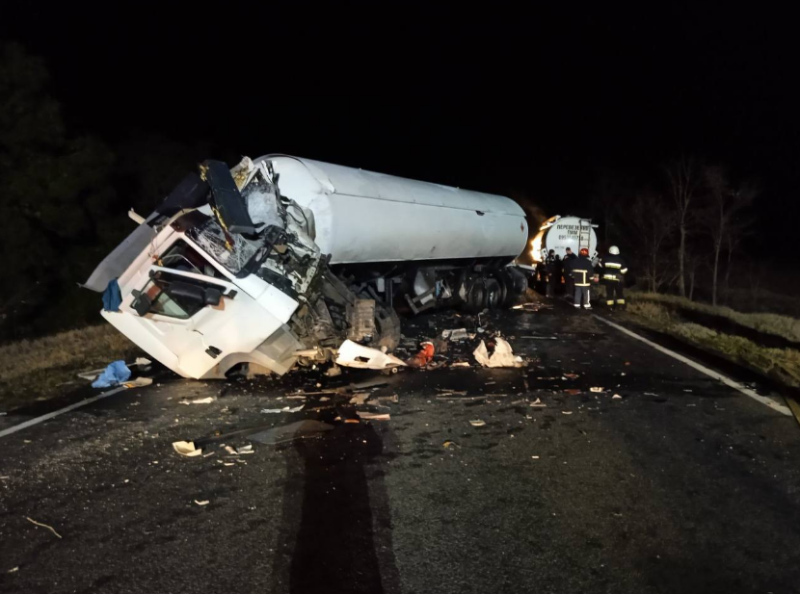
568	259
553	266
582	270
612	273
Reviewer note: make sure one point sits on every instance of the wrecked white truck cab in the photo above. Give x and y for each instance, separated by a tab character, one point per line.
281	259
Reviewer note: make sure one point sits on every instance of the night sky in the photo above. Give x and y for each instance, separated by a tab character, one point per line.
531	102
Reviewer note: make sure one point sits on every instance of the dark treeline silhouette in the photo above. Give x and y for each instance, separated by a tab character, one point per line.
684	227
64	197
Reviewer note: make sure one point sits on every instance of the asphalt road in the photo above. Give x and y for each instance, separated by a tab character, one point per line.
682	485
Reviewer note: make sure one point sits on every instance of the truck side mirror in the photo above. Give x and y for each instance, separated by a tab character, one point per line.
142	304
212	296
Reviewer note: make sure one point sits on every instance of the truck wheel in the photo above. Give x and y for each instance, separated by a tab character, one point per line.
494	296
504	282
476	296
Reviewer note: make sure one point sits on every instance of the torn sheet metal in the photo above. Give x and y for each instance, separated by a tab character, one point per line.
355	355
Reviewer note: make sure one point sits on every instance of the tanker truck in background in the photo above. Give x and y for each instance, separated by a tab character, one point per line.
281	259
559	233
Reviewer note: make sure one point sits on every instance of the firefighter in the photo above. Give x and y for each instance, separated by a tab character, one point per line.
612	270
552	265
568	258
581	270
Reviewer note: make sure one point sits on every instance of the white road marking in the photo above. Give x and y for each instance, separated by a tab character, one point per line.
703	369
60	411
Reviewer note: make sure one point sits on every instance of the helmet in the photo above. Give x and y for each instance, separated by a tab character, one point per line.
613	250
585	252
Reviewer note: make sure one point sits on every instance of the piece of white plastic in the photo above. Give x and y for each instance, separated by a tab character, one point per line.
503	355
352	354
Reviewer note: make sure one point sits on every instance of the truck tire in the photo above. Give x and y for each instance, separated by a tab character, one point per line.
494	294
476	296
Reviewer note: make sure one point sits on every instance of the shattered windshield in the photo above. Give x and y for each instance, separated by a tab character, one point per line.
262	206
210	237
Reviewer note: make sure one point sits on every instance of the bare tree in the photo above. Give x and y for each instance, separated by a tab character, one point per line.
683	185
724	220
651	222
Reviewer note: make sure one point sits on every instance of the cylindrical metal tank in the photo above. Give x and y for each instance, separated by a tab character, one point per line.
363	217
559	233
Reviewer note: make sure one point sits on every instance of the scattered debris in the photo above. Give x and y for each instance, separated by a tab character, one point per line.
455	335
595	389
503	355
450	444
352	354
461	364
449	392
538	403
245	449
50	528
186	448
113	375
423	357
359	398
393	398
289	409
13	569
571	376
94	373
616	397
369	416
573	391
202	503
566	412
207	400
334	371
139	382
478	423
535	457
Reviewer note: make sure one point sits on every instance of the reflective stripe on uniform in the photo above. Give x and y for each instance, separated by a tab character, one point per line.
612	265
624	270
620	302
610	302
610	277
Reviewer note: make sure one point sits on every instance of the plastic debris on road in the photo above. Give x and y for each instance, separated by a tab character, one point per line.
186	448
423	357
354	355
455	334
477	423
113	375
616	397
274	411
538	403
503	355
369	416
201	503
595	389
207	400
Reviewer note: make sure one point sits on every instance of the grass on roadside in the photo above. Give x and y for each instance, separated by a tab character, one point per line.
777	325
32	370
782	365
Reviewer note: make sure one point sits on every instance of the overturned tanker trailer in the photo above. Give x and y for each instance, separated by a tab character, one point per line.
281	259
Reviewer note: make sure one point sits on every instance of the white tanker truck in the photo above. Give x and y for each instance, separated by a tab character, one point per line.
282	258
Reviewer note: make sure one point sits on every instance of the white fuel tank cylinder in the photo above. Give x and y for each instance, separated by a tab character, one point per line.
363	217
559	233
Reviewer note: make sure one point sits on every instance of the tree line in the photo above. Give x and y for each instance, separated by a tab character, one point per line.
684	229
63	196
